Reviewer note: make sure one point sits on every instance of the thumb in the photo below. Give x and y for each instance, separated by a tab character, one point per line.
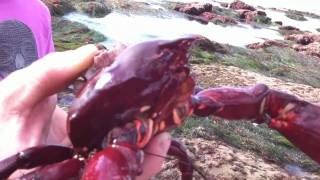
46	76
158	146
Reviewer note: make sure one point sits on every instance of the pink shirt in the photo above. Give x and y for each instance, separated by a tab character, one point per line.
36	16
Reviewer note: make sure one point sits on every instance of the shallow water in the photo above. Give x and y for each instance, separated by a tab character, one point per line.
301	5
134	28
310	25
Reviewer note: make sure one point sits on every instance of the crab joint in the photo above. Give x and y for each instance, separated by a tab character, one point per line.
176	118
144	131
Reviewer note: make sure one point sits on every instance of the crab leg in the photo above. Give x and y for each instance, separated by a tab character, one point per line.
185	163
68	169
297	120
33	157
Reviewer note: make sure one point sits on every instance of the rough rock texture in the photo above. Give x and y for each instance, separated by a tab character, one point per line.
312	49
70	35
266	44
217	160
97	8
211	46
59	7
218	19
223	4
236	5
253	16
289	28
194	8
304	39
295	15
278	23
94	9
234	76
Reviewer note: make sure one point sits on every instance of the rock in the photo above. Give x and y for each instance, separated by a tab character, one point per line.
59	7
303	13
307	43
199	19
278	23
224	4
318	29
304	39
312	49
266	44
208	15
253	16
295	16
236	5
289	28
94	9
218	19
211	46
194	8
70	35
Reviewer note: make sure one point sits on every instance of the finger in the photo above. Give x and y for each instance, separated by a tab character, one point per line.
159	146
47	75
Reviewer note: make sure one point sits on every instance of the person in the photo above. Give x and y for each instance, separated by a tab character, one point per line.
26	110
25	34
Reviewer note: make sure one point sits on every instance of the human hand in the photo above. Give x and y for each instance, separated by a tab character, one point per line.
27	104
28	112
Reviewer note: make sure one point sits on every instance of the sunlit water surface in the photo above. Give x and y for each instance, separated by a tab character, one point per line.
134	28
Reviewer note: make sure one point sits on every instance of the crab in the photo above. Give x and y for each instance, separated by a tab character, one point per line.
146	91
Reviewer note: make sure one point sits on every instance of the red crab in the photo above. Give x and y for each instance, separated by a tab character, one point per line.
148	90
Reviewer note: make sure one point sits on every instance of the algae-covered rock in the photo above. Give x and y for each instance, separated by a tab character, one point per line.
70	35
295	16
94	9
59	7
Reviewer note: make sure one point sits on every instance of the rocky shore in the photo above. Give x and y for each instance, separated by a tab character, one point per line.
290	64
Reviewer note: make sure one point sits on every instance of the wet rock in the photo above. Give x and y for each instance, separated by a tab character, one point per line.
304	13
254	16
94	9
266	44
194	8
199	19
295	16
59	7
303	39
288	30
211	46
223	4
236	5
218	19
278	23
70	35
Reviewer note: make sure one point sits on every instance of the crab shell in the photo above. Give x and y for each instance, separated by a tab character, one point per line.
149	81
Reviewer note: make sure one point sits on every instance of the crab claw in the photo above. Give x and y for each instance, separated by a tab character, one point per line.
297	120
118	161
232	103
